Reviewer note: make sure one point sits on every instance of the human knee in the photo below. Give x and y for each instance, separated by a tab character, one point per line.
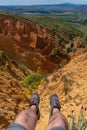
25	115
58	120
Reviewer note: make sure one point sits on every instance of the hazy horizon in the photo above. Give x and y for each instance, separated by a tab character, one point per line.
40	2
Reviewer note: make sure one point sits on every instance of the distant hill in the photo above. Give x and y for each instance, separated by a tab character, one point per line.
75	12
58	8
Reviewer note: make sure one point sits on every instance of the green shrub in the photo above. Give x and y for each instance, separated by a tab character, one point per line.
2	53
23	68
57	51
33	80
71	44
80	125
83	45
68	50
63	63
2	56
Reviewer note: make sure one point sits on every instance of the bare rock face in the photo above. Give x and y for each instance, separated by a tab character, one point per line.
25	32
30	40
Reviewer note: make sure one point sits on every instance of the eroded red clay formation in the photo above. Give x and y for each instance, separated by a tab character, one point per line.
33	44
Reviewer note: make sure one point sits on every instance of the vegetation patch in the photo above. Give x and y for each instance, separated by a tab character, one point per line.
84	44
57	51
63	63
80	125
2	56
33	79
2	53
23	68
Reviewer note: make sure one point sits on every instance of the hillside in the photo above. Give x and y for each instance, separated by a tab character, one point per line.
45	9
11	88
56	9
71	13
59	55
30	43
70	83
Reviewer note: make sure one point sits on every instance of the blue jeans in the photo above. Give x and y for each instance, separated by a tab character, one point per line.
20	127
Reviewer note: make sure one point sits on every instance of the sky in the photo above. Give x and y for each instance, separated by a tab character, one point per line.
38	2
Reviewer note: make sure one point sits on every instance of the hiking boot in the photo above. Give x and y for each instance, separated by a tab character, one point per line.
35	100
54	102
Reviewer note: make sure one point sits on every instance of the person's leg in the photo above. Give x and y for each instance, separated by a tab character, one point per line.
57	119
27	119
